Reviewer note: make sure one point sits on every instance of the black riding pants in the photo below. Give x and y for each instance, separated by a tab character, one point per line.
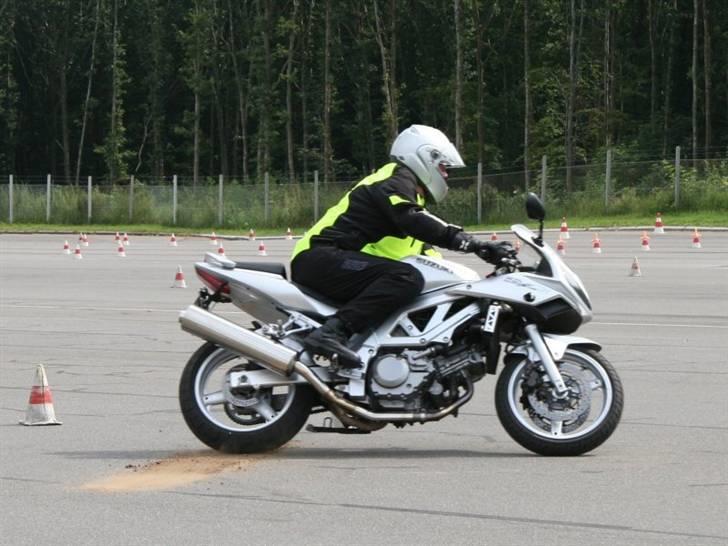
370	288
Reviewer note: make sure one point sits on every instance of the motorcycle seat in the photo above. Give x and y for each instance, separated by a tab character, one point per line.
266	267
317	296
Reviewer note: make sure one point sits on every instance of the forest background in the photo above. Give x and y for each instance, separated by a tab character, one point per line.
149	88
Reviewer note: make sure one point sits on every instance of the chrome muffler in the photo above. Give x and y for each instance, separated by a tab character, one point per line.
282	360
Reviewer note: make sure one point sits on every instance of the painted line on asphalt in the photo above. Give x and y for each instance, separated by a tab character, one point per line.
655	324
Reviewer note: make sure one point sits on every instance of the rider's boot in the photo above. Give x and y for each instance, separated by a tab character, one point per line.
330	341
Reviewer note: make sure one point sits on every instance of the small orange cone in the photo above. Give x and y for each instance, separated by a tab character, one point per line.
494	237
251	234
696	239
659	226
40	404
564	230
83	239
517	245
261	249
221	250
179	279
117	237
66	248
121	251
596	244
125	239
77	253
173	240
213	239
645	241
634	270
561	247
289	235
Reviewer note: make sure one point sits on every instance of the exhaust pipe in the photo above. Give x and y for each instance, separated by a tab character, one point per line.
282	360
225	333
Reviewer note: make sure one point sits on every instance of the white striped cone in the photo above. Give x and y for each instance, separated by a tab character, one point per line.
494	237
596	245
634	270
251	234
40	404
117	237
121	251
564	230
173	240
289	235
84	239
125	239
179	279
697	239
261	249
77	253
66	247
213	239
221	250
561	247
659	226
645	241
517	245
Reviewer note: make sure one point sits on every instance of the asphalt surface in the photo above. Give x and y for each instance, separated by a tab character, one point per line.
106	330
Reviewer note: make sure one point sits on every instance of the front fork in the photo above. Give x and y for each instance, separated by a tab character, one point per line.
539	345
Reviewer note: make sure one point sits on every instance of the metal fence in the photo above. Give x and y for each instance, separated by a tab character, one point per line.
474	197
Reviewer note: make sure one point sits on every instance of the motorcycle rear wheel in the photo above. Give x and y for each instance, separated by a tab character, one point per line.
238	422
542	422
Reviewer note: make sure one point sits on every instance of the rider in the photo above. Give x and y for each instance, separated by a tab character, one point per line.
352	253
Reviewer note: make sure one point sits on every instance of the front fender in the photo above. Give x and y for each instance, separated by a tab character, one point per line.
557	346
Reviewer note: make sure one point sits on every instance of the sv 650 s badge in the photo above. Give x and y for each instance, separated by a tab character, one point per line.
521	283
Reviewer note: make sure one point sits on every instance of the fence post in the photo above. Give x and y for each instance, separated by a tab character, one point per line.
479	186
315	196
543	178
677	176
608	178
219	202
266	203
90	200
174	200
48	199
131	197
10	199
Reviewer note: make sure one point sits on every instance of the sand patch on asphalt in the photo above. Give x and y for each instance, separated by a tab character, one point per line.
175	471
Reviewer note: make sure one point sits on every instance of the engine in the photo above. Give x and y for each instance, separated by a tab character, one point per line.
414	380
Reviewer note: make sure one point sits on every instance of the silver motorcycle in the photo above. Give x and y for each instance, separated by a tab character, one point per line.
252	389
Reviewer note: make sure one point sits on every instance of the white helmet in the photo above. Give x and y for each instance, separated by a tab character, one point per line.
428	153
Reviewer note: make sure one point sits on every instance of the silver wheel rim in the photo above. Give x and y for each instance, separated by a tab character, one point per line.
214	399
600	391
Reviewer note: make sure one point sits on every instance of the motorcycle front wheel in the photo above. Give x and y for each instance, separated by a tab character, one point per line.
542	421
238	420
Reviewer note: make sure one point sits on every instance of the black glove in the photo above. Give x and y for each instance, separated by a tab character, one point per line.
492	253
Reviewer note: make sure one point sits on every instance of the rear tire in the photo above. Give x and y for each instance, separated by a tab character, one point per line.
238	428
522	408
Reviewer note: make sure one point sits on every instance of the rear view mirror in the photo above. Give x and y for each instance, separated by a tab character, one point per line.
535	208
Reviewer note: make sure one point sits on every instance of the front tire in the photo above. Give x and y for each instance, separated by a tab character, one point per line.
235	421
542	422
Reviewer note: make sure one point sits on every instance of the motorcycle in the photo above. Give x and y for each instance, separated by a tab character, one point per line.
250	390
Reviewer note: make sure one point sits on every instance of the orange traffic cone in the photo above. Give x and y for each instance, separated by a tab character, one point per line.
83	239
40	405
494	237
634	270
117	237
125	239
289	235
251	234
564	230
213	239
517	245
561	247
596	244
173	240
221	250
261	249
645	241
77	253
179	279
659	226
121	251
66	248
696	239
